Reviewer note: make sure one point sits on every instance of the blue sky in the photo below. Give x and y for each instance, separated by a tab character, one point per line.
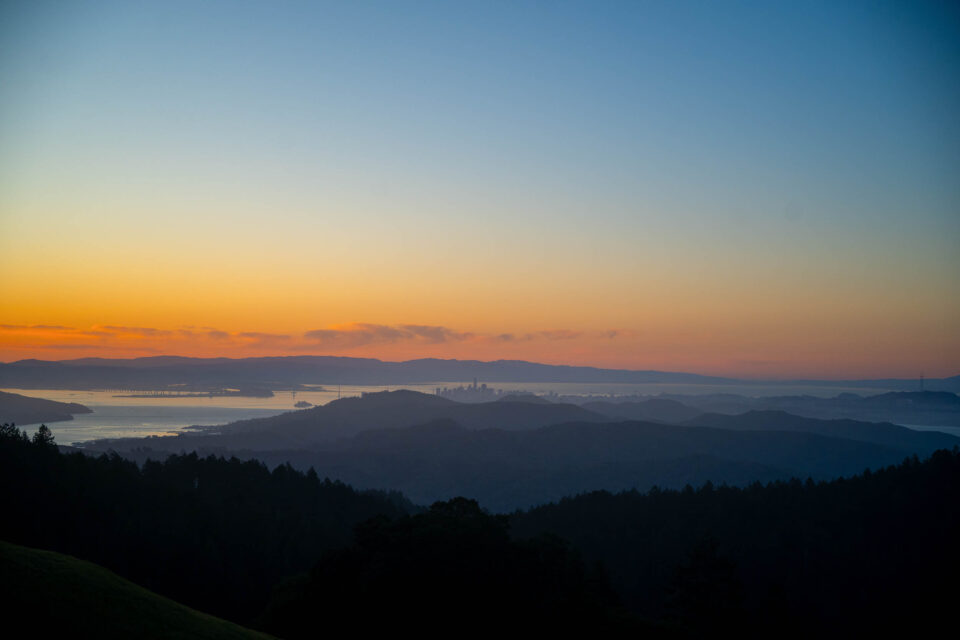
812	144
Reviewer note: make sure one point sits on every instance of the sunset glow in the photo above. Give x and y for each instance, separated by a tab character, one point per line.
535	182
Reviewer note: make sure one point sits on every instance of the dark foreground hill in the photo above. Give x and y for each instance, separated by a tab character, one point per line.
870	554
214	534
58	596
20	409
875	554
452	571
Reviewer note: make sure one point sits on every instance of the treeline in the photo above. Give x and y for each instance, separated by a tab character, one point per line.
877	551
214	534
451	571
870	553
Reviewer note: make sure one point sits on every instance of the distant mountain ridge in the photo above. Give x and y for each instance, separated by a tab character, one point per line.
936	408
884	433
291	371
295	370
653	410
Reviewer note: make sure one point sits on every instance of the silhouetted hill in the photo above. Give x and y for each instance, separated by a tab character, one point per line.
459	569
950	384
292	371
26	410
934	408
915	399
58	596
509	455
871	555
211	533
388	409
506	470
906	440
655	410
523	397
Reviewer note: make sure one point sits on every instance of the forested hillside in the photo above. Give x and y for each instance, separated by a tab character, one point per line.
214	534
870	552
875	551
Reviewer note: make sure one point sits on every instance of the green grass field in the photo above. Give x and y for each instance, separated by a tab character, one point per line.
49	594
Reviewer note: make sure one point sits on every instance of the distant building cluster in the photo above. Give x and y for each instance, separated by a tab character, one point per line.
471	393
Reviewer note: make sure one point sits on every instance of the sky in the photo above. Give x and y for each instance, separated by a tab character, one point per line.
757	189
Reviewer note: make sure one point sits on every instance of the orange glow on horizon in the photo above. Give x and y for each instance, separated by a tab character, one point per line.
250	188
707	353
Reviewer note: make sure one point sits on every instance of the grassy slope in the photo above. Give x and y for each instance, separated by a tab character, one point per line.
59	596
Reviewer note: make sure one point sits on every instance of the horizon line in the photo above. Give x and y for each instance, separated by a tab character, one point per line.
568	366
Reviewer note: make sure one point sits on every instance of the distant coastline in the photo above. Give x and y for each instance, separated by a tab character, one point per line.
161	394
20	409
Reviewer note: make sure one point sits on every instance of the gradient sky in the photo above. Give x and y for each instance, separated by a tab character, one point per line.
763	189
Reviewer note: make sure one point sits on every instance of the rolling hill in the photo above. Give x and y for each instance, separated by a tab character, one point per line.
20	409
883	433
57	595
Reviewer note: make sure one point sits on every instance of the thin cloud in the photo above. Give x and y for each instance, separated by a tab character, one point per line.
436	334
257	335
260	340
194	338
356	334
35	327
73	346
560	334
612	334
139	331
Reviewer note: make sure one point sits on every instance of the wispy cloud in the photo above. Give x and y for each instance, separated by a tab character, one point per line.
212	340
87	346
612	334
560	334
357	334
137	331
34	327
260	340
258	335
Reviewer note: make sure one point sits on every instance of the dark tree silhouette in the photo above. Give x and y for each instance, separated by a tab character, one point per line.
211	533
859	555
43	437
457	568
706	594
